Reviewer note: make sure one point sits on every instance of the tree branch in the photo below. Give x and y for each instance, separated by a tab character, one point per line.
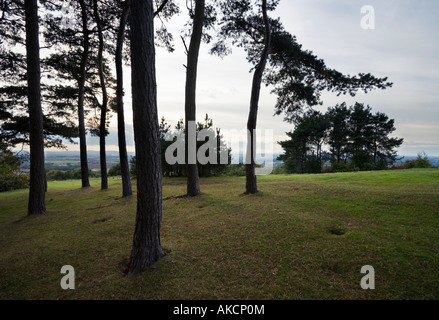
160	9
185	46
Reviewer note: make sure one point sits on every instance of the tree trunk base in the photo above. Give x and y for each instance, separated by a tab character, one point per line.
142	258
251	186
193	181
127	193
193	193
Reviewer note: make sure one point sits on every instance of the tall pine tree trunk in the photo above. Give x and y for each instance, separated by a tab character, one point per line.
146	241
81	97
193	183
251	184
36	204
102	127
123	156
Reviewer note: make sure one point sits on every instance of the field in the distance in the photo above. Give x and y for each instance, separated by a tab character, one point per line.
301	237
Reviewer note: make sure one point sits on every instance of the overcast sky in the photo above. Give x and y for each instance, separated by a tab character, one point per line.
403	46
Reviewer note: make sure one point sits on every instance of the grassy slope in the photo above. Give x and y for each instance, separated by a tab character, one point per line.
283	243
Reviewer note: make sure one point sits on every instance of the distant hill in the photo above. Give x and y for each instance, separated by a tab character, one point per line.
68	160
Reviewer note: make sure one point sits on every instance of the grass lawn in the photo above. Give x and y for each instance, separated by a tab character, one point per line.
301	237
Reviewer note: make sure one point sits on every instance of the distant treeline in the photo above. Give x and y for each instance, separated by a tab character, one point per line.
75	174
343	139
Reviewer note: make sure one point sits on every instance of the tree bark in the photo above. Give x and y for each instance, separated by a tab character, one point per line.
251	183
36	204
123	156
146	241
102	127
193	183
81	97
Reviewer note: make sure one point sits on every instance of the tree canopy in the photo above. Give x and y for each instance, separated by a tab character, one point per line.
297	76
14	119
351	138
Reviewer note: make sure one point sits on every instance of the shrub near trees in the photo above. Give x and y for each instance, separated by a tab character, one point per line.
10	178
178	134
421	161
355	139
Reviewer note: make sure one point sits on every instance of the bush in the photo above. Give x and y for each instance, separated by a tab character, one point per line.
13	181
280	169
421	161
133	169
369	166
10	178
9	163
237	170
115	171
342	167
350	167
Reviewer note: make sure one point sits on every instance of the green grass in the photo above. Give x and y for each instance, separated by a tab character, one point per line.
301	237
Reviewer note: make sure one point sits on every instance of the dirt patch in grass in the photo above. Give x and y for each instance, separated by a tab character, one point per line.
337	231
207	182
102	220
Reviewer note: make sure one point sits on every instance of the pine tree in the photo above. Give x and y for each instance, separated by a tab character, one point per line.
297	76
36	204
355	135
146	241
193	184
14	118
339	131
123	156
